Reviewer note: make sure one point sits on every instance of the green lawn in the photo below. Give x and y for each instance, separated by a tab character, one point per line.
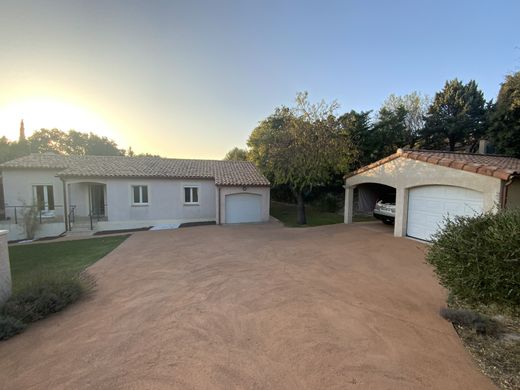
32	261
286	213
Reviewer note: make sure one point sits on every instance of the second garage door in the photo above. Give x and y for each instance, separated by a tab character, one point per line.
428	205
242	208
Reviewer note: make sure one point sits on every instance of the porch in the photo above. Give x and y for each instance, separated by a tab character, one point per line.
87	202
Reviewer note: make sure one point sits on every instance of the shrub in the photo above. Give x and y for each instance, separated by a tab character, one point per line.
43	297
9	327
478	258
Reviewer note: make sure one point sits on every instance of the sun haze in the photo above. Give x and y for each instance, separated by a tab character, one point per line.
192	79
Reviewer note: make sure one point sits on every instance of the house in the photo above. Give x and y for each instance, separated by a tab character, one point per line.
116	193
431	185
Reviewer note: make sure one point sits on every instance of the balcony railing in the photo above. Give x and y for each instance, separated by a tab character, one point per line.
17	214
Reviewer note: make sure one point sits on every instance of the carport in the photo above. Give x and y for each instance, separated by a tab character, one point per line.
433	185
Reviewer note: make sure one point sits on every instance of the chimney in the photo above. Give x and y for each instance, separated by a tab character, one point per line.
483	146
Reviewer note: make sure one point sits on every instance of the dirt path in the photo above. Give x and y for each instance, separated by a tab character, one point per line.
250	307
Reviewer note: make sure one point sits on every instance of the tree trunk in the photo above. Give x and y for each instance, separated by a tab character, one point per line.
302	220
452	143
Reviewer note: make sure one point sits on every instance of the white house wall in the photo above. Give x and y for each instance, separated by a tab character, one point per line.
404	173
165	200
18	186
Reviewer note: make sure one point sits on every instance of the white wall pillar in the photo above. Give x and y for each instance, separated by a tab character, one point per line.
349	204
401	212
5	268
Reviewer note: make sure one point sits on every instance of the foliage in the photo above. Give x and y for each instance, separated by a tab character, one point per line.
415	107
456	117
356	126
30	262
389	132
236	154
43	297
10	327
30	220
504	129
301	147
49	277
73	143
478	258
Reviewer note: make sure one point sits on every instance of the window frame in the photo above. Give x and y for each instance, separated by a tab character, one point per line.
48	201
191	187
132	193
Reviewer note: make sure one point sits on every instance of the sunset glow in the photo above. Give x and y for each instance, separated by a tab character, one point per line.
41	112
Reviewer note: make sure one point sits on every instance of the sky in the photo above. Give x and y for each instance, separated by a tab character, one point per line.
192	79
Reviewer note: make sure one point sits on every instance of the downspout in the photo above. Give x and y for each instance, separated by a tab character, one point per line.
65	207
505	190
219	217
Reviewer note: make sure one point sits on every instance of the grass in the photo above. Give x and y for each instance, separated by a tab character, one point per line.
29	262
48	277
286	213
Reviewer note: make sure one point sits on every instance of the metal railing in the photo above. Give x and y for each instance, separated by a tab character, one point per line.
17	214
71	217
96	216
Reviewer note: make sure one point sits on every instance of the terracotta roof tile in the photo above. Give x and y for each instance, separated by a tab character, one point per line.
502	167
227	173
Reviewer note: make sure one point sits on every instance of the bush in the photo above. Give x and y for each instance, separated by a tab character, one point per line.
9	327
43	297
478	258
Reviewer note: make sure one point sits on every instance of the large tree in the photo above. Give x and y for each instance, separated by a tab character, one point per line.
236	154
358	128
72	142
390	132
416	107
456	118
301	147
504	129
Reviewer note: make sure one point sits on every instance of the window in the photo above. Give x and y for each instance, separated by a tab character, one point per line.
44	197
191	195
139	194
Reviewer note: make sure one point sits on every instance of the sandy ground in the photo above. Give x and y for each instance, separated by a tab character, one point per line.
250	307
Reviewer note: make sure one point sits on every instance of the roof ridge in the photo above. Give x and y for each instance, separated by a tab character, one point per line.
455	152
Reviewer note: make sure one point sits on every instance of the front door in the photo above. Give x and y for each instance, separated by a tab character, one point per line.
97	200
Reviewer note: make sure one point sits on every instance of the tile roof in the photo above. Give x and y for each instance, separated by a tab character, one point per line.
231	173
501	167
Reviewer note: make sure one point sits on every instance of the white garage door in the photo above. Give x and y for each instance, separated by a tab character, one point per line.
241	208
428	205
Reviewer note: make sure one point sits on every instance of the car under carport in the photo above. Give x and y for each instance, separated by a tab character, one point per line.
432	185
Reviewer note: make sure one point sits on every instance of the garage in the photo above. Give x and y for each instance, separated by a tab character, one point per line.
431	185
428	206
243	208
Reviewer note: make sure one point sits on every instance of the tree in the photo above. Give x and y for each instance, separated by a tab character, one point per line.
416	106
301	147
73	143
236	154
504	129
456	117
357	127
390	132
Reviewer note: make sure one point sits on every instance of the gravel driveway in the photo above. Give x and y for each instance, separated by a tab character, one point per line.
251	307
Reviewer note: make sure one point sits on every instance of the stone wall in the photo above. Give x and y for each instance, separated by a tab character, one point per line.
5	269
